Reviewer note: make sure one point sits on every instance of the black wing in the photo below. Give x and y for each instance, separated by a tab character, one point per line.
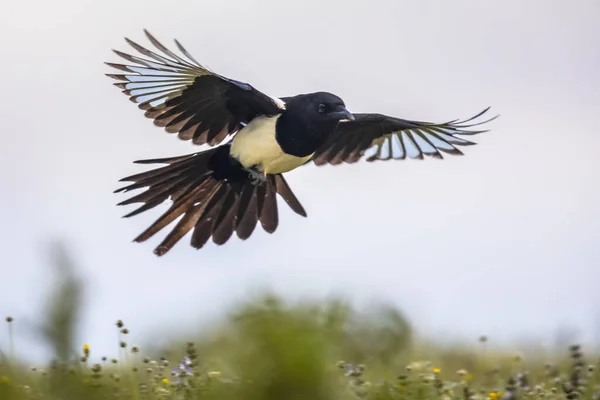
394	138
186	98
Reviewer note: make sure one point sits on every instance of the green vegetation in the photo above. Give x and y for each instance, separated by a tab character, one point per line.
270	349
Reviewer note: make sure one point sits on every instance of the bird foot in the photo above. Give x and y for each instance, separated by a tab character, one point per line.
257	178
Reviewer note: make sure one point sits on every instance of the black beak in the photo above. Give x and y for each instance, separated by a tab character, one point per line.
342	113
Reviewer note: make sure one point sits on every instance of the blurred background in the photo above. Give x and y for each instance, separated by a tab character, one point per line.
502	241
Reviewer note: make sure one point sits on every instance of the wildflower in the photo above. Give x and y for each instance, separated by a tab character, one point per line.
436	370
86	350
214	374
461	372
181	370
165	380
495	395
352	370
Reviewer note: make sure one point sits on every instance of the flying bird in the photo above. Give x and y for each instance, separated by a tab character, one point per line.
252	140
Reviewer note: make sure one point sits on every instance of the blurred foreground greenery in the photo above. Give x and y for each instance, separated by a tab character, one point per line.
270	349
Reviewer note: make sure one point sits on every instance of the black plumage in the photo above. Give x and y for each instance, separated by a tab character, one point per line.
232	187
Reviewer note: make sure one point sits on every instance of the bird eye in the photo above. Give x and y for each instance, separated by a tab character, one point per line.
322	108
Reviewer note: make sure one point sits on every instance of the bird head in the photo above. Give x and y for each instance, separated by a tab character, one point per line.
327	107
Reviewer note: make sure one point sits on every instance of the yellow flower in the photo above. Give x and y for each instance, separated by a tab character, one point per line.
86	349
494	395
437	370
214	374
165	380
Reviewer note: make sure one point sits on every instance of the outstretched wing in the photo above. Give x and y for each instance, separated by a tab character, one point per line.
394	138
188	99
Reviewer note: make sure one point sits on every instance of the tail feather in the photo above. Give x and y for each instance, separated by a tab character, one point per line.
247	215
185	204
213	196
286	193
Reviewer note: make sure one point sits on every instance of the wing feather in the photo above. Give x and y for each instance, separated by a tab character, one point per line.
381	137
185	98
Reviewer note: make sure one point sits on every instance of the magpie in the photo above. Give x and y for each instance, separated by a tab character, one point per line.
251	140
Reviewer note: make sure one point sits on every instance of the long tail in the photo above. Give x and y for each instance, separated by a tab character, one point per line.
214	195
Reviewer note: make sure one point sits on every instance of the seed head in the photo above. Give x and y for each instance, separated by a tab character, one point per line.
9	319
124	331
135	349
123	344
119	324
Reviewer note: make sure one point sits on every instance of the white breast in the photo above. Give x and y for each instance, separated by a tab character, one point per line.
255	145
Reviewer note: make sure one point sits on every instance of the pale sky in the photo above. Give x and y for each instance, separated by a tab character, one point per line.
502	241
